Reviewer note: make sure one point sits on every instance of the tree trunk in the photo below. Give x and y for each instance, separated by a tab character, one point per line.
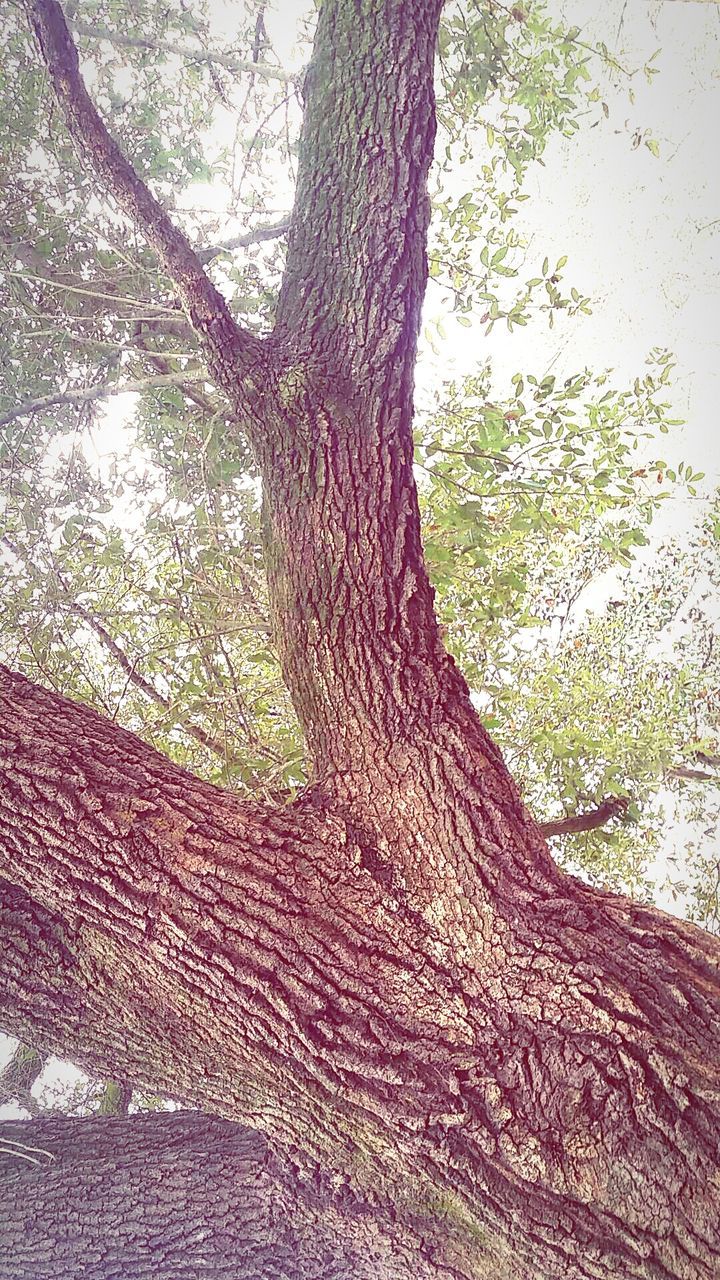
177	1196
389	976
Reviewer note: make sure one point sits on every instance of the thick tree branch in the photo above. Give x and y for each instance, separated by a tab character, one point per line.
610	808
160	842
93	31
160	1197
231	351
356	267
349	590
334	439
545	1055
389	977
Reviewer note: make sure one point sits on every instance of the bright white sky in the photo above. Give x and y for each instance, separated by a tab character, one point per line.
642	234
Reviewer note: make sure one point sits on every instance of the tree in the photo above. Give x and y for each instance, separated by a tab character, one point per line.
462	1061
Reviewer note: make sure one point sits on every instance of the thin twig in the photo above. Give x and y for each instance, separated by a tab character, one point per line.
84	395
244	241
92	31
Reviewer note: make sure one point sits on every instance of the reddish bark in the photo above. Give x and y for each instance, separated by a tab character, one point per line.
537	1060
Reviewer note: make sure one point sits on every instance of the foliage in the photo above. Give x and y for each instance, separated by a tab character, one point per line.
527	505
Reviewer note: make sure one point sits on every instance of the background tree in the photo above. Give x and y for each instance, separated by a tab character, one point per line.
417	1079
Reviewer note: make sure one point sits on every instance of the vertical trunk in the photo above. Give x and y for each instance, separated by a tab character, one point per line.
352	605
387	716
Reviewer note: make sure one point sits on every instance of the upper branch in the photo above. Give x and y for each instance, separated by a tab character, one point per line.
356	269
229	348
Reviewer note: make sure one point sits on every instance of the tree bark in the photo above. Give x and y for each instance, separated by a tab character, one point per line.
536	1074
389	976
177	1196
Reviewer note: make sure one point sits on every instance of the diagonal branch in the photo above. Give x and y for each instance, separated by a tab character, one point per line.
231	350
613	807
128	886
159	361
135	677
616	806
259	236
101	391
256	961
149	824
688	773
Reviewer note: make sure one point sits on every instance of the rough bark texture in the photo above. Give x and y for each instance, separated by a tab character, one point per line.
540	1067
350	590
389	978
175	1197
